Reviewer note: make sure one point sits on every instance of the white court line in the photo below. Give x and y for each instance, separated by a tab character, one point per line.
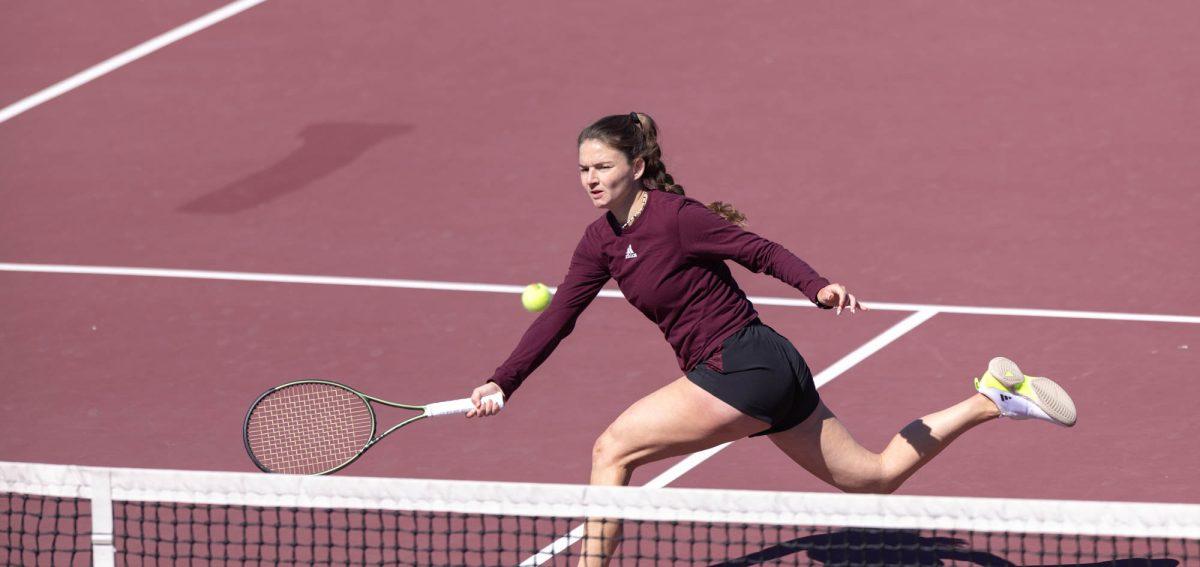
126	57
691	461
501	288
259	277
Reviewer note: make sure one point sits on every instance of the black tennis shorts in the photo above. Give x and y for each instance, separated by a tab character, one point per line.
760	373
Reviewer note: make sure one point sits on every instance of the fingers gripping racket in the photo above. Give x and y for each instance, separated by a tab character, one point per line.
319	427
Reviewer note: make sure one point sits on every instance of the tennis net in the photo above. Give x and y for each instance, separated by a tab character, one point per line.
69	515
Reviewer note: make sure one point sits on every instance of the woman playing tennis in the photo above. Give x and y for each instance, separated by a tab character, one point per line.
667	253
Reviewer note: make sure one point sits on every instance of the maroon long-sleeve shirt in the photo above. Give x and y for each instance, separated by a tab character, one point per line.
670	264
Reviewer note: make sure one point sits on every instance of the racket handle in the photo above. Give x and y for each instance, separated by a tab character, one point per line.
459	406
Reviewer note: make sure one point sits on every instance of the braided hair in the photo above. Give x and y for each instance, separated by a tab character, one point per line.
636	135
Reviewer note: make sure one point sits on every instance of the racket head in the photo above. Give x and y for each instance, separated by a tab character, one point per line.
308	427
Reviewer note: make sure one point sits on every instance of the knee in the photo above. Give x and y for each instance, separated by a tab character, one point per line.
877	485
878	479
610	451
867	488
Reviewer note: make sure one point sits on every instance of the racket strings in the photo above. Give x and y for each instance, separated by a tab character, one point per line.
308	428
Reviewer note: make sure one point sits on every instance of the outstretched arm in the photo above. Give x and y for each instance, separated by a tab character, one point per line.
586	275
705	234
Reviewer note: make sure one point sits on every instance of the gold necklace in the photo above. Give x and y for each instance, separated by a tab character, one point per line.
633	216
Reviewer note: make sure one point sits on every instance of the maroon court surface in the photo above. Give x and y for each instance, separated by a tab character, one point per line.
1018	155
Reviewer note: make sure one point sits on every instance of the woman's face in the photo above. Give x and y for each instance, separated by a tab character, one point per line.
609	178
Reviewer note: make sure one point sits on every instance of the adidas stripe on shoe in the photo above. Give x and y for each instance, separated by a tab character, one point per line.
1025	397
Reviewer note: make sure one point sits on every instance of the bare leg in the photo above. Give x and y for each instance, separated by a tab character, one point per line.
823	446
677	419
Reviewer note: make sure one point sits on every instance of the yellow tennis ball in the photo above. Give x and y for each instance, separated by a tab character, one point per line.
536	297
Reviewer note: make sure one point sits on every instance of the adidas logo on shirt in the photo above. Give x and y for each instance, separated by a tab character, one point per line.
1005	398
629	253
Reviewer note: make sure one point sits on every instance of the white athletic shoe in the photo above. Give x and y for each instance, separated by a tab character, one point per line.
1025	397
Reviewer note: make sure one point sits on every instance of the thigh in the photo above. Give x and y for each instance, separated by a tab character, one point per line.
677	419
825	448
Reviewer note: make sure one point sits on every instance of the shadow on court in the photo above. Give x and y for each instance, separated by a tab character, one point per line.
326	148
848	548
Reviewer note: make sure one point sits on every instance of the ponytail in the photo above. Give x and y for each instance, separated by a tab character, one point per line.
636	135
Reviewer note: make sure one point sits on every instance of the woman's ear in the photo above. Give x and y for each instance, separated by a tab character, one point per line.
639	167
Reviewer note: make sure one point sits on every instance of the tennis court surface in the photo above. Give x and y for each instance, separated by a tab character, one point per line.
203	200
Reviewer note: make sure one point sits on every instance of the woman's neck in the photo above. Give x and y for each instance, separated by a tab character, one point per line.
632	207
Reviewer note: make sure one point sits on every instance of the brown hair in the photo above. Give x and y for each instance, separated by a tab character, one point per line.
636	135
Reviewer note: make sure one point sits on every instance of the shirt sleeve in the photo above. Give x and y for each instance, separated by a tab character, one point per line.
704	234
585	276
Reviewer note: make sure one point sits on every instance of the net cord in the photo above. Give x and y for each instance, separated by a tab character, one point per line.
1122	519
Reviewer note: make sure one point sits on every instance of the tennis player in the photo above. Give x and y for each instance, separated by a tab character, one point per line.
741	378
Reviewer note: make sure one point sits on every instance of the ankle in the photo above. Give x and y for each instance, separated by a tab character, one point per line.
985	407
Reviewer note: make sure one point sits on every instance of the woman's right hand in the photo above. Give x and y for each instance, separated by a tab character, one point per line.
482	408
837	296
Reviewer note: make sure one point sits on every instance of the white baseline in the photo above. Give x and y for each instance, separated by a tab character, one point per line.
504	288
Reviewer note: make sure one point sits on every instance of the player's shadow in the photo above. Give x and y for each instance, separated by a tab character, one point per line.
920	437
853	547
325	148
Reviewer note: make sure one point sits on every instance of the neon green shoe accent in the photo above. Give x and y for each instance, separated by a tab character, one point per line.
1049	400
1025	388
989	381
1006	371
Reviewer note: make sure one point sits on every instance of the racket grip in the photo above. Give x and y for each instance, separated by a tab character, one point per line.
459	406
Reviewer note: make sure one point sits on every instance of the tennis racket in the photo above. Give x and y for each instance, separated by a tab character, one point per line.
319	427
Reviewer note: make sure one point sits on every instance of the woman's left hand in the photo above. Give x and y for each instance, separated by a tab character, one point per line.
836	295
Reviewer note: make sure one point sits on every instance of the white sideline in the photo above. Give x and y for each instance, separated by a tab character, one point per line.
124	58
502	288
691	461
